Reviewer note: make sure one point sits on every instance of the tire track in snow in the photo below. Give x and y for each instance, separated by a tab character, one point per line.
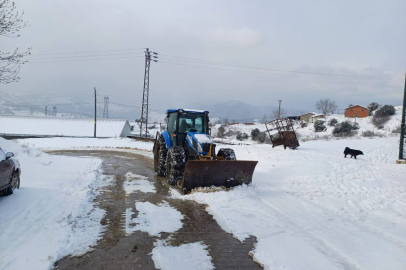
319	244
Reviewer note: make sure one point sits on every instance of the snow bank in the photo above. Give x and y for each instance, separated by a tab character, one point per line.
85	143
184	257
52	214
313	209
154	219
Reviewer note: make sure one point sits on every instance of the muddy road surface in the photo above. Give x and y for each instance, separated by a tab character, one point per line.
118	250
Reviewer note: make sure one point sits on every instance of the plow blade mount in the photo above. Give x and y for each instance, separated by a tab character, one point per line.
219	173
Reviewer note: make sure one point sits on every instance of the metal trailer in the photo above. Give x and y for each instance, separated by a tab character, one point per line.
286	134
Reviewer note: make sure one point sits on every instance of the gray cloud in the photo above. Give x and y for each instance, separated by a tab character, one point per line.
361	38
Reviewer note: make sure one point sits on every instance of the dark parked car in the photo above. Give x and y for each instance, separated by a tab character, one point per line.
9	173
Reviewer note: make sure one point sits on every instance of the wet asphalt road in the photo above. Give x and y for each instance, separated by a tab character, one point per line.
117	251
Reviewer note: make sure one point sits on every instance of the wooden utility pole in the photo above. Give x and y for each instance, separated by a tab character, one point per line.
402	158
95	113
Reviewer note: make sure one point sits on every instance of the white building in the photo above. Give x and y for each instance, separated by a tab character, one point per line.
33	126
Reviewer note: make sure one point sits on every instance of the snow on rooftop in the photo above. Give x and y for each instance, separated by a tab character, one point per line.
59	126
309	113
356	106
317	115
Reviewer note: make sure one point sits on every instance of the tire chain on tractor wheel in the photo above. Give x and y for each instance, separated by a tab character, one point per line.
163	152
227	154
177	159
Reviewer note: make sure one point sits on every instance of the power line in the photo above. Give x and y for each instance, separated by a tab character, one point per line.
81	60
83	56
197	61
89	51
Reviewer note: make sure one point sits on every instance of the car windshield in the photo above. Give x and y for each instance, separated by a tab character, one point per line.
192	122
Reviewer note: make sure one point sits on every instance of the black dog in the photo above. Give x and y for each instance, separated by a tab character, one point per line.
352	152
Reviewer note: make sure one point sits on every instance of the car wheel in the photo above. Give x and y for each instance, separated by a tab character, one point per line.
15	183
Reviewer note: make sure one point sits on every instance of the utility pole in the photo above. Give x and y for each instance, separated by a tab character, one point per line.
145	92
106	108
46	110
279	114
95	112
402	157
54	111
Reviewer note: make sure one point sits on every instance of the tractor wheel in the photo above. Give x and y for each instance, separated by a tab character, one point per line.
175	164
160	157
226	154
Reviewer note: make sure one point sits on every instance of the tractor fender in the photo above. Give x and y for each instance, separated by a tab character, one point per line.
165	134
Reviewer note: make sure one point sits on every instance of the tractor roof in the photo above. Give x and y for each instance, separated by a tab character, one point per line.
186	110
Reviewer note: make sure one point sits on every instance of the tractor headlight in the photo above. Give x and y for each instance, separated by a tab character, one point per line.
199	147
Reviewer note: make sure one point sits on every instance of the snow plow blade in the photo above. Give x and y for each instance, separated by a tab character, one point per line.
219	173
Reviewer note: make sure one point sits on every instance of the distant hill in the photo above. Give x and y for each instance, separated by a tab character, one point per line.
20	104
241	111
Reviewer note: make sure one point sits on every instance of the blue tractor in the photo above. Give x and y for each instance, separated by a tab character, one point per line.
186	155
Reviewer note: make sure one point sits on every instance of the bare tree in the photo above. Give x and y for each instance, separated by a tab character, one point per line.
326	106
263	120
11	23
275	114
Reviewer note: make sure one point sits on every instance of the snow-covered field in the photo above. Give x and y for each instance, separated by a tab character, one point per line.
309	208
52	214
313	209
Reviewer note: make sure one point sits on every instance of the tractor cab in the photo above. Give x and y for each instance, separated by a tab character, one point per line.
190	130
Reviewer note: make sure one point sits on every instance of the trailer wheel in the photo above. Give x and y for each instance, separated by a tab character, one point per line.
226	154
175	164
160	157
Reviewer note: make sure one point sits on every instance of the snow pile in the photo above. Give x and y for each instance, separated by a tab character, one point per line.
184	257
85	143
313	209
137	182
52	214
154	219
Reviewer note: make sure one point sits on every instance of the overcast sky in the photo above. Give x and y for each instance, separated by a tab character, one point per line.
363	40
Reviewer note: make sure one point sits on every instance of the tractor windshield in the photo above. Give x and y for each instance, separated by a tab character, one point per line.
192	122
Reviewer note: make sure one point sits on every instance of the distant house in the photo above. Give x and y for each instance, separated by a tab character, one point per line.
32	126
356	111
315	117
306	117
311	117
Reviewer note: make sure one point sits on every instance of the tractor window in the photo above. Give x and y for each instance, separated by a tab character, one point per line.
172	123
192	122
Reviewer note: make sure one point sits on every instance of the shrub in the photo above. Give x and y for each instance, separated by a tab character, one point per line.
373	106
379	121
332	122
241	136
396	129
262	137
221	131
385	110
255	134
355	126
319	126
368	133
303	124
344	129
